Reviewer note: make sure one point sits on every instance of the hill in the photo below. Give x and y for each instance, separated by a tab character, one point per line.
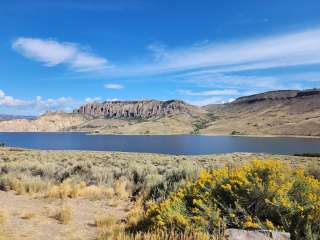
50	122
117	117
141	117
287	112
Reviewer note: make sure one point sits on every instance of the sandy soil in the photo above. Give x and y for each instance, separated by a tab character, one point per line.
31	218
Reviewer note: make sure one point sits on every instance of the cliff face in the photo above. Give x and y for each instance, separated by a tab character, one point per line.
134	109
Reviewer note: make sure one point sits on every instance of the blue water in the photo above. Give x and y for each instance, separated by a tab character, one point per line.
181	144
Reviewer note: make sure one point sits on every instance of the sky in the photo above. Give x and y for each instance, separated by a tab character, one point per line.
58	55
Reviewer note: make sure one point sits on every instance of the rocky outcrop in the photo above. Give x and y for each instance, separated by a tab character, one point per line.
134	109
238	234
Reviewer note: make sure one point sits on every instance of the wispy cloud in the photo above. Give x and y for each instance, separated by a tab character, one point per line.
113	86
51	53
94	99
224	92
206	101
284	50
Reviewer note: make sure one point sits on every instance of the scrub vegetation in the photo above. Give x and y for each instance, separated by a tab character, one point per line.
152	196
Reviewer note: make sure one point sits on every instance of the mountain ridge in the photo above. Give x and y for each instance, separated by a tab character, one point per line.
282	112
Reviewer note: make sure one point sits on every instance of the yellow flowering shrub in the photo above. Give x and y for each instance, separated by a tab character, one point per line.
257	195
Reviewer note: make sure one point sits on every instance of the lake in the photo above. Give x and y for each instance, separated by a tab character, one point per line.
174	144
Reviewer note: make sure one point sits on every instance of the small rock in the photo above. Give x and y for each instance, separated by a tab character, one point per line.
238	234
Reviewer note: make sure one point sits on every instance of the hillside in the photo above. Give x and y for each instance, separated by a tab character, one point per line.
286	112
141	117
50	122
128	117
271	113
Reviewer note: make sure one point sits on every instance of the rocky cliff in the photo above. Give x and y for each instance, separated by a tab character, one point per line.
134	109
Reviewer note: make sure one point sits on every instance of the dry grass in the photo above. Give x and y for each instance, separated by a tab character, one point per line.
120	189
114	178
64	214
71	190
104	221
118	233
28	215
100	175
3	216
5	234
136	213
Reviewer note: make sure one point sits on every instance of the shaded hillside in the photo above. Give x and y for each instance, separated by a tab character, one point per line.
272	113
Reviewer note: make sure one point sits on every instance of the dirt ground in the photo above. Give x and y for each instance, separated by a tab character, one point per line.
27	217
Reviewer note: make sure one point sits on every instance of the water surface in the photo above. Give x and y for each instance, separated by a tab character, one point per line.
172	144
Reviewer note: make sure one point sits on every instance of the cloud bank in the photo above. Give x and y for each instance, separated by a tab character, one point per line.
52	53
36	105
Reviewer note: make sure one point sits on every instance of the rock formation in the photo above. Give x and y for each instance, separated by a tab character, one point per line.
239	234
133	109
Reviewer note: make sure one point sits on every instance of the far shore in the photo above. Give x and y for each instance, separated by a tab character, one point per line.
183	134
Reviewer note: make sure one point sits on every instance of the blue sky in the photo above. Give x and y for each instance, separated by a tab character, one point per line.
60	54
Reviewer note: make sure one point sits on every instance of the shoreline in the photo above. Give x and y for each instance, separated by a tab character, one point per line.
163	134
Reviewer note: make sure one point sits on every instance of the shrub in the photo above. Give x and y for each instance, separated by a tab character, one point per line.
257	195
64	214
104	221
236	133
313	169
316	155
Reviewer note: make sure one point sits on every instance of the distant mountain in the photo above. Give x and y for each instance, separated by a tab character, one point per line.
6	117
285	112
51	122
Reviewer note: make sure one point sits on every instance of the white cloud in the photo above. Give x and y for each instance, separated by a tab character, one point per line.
1	94
10	101
112	100
224	92
52	53
206	101
36	105
113	86
284	50
95	99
